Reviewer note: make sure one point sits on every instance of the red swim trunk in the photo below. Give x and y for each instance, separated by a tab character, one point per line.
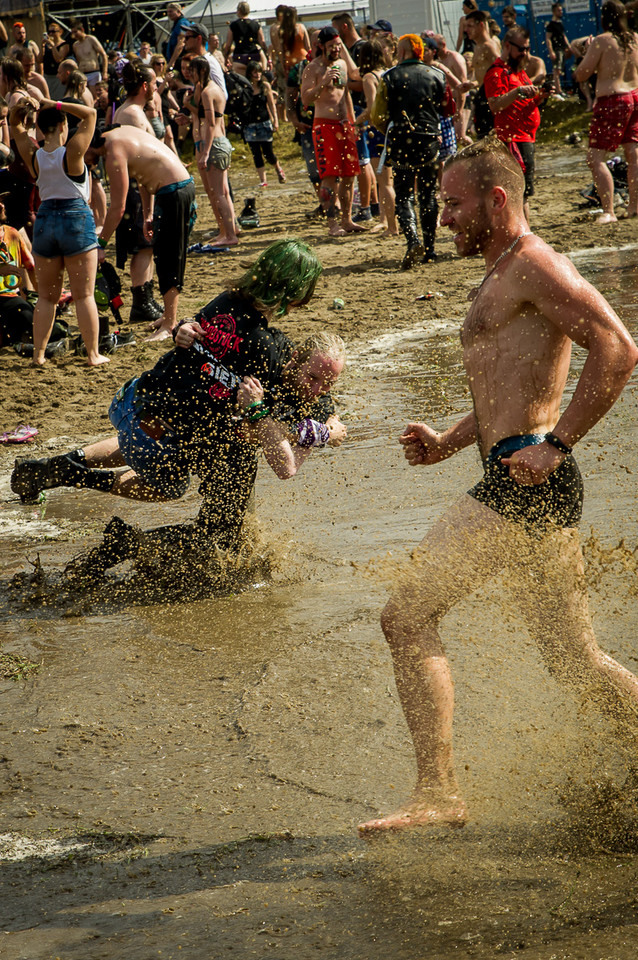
615	121
335	148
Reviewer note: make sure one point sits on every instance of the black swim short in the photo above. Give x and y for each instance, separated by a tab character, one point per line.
129	233
174	214
557	501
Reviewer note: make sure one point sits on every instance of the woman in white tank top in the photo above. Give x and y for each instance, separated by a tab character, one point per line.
64	233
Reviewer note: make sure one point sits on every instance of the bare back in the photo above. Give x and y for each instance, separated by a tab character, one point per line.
615	67
146	159
132	115
517	340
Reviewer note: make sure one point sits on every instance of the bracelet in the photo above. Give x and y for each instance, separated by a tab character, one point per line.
58	106
555	441
258	415
254	405
102	242
180	324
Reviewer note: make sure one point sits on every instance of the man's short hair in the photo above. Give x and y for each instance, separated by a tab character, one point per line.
329	345
343	18
554	5
490	164
510	11
77	25
516	33
478	16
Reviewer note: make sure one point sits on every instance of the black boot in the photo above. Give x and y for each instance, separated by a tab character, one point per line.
156	306
142	310
31	477
407	221
429	215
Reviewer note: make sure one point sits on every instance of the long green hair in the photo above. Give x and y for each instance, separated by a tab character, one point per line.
286	272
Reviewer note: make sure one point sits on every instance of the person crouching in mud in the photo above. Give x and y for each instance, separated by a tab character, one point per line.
232	384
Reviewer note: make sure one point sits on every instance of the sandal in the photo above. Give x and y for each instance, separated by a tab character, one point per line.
22	434
281	176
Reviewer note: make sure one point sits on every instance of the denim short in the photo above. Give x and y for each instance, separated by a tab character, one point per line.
64	228
160	464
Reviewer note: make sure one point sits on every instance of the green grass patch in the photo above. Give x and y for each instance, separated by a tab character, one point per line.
14	667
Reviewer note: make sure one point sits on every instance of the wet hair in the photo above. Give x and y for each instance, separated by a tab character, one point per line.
613	19
13	73
134	75
201	68
329	345
370	56
49	118
288	27
415	42
286	272
76	85
490	164
478	16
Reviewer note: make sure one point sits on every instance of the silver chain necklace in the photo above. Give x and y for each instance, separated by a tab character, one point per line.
474	292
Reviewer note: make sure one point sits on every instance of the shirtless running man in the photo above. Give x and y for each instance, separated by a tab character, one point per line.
324	85
168	194
90	55
613	56
523	515
486	51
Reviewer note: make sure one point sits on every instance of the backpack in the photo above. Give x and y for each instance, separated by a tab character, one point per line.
240	98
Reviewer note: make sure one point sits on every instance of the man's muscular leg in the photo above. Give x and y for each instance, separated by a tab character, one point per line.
346	190
556	610
328	198
464	549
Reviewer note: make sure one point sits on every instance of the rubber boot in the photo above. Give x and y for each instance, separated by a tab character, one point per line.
407	221
142	310
31	477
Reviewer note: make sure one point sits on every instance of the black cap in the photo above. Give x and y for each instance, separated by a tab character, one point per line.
326	34
383	26
197	28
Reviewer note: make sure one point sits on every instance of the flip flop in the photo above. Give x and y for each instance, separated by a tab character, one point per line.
21	434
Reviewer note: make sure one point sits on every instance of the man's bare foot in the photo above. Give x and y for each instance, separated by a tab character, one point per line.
336	231
607	218
351	227
160	334
225	242
99	359
38	363
430	810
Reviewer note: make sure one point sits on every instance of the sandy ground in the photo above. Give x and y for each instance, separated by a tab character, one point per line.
186	781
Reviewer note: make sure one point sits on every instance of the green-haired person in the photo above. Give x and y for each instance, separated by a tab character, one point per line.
232	384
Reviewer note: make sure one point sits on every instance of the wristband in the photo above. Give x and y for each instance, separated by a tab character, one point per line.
555	441
311	433
258	415
58	106
254	406
102	242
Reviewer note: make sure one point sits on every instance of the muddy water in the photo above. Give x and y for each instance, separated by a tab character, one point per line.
210	761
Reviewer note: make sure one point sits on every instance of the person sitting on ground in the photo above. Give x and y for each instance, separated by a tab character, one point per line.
181	417
64	236
613	56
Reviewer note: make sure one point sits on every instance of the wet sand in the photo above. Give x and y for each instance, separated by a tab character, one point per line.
194	773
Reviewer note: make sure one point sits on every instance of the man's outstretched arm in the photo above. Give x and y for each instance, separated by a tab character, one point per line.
423	446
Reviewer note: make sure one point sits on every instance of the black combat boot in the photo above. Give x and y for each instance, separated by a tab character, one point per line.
156	306
31	477
142	310
407	221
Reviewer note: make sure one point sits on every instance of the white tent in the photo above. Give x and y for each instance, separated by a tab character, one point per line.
312	13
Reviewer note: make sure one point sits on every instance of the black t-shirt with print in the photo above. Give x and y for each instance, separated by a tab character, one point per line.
194	390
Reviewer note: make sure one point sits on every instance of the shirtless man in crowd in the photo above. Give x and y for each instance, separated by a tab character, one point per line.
613	57
523	514
486	51
90	54
324	85
167	190
456	64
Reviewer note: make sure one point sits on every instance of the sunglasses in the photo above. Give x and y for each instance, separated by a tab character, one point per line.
518	47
